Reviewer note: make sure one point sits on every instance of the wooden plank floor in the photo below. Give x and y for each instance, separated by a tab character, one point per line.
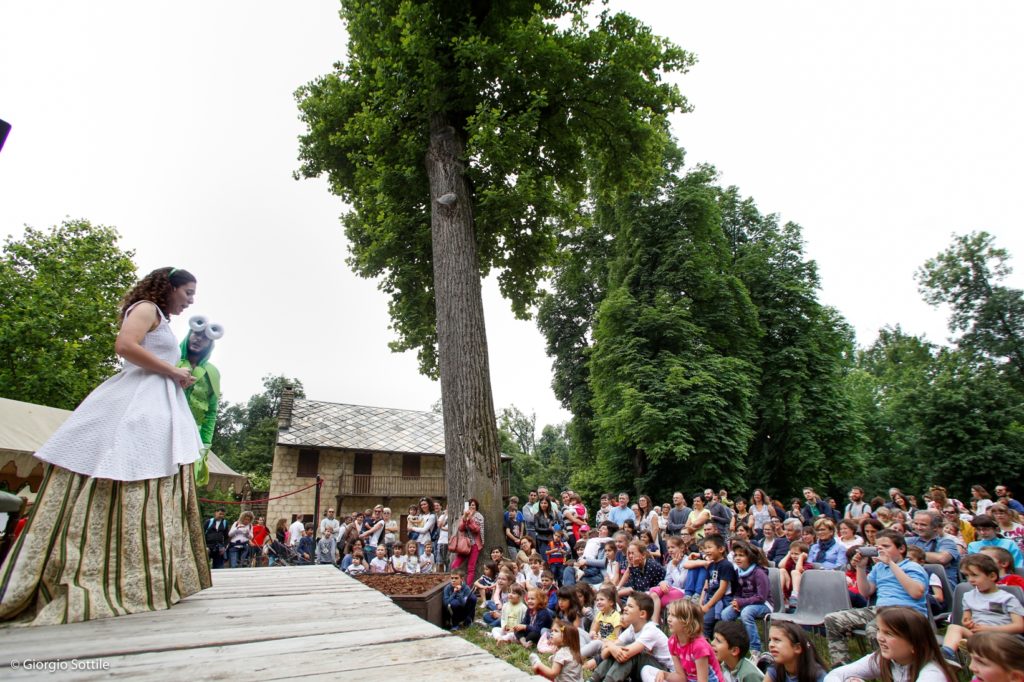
258	624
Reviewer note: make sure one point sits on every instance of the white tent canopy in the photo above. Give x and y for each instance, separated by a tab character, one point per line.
24	427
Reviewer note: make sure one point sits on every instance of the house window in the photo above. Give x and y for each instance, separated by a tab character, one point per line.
410	466
309	463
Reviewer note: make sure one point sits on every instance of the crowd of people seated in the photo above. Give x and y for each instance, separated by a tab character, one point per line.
676	591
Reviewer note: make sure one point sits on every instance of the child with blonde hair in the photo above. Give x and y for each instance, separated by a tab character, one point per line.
693	659
511	615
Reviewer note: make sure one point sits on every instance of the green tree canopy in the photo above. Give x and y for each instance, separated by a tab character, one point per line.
60	295
672	366
806	431
547	101
966	276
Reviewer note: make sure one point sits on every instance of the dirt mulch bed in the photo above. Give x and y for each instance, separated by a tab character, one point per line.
402	584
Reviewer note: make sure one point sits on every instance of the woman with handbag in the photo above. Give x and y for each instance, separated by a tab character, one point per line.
470	532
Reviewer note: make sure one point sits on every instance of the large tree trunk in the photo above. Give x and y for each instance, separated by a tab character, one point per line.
470	431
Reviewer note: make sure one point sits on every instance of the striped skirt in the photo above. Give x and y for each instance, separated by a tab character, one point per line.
95	548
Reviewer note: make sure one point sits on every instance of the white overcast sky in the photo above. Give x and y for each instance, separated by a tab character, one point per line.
880	127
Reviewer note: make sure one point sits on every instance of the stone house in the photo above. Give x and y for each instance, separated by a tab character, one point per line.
366	456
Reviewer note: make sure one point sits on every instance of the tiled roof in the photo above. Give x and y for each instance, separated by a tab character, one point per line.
357	427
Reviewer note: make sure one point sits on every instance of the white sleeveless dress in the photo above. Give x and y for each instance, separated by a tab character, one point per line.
134	426
116	525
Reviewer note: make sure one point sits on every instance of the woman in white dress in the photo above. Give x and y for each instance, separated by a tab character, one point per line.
116	528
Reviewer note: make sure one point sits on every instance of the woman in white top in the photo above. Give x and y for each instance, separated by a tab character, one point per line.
907	652
239	537
980	500
123	456
426	524
761	510
648	518
848	534
442	536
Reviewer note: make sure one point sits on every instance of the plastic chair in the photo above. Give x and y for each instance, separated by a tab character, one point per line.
821	593
778	601
947	589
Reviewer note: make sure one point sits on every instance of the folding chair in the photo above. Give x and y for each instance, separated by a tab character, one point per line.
821	593
778	601
947	590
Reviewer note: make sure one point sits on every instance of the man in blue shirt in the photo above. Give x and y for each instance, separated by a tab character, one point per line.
621	513
938	548
895	579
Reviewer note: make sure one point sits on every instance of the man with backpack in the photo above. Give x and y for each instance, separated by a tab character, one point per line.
216	533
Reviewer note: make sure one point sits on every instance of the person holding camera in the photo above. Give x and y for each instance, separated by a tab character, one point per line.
896	580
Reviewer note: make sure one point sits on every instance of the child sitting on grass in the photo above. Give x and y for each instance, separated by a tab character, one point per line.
538	618
641	645
693	659
986	607
731	645
606	626
567	663
459	602
511	615
484	585
493	606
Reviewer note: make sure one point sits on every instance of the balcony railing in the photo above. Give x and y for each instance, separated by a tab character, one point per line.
397	486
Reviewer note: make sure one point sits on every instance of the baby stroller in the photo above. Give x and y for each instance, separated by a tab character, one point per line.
281	554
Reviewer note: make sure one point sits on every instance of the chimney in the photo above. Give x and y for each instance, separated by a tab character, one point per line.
284	408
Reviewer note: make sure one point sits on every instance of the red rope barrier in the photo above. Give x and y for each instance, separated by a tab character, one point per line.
268	499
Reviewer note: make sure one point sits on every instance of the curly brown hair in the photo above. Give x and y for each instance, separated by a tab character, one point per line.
156	287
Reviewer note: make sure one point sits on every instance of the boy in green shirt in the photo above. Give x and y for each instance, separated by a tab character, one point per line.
731	645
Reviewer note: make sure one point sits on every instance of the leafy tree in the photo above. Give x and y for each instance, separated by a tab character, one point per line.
535	462
970	422
520	426
885	386
566	318
465	134
966	276
247	433
60	294
672	368
553	453
806	431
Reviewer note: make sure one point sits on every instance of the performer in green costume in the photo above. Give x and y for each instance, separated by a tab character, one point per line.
204	395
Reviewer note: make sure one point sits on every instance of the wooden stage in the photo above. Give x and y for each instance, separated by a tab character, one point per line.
256	624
